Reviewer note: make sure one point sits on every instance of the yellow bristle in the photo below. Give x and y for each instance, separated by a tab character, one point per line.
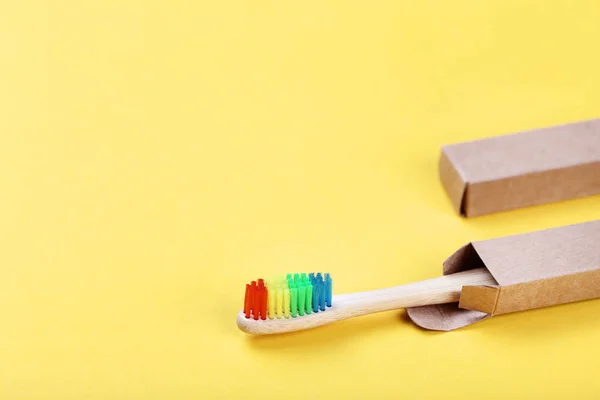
279	302
271	300
286	302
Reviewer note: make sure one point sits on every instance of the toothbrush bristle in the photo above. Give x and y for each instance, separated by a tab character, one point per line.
286	296
261	300
247	301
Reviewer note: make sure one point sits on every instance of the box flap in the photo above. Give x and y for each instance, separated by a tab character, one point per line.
479	298
447	317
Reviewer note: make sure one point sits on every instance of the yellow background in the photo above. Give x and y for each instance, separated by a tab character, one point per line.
155	156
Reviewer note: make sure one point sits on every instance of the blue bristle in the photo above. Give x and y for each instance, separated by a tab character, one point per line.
322	295
315	300
328	289
322	290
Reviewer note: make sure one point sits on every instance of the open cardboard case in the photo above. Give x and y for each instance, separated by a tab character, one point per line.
532	270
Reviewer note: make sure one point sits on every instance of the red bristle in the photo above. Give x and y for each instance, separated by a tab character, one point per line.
254	300
252	297
263	303
248	301
256	312
261	300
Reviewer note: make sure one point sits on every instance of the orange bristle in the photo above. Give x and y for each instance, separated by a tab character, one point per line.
254	299
248	301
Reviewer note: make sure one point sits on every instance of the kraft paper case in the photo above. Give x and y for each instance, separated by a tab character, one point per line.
522	169
532	270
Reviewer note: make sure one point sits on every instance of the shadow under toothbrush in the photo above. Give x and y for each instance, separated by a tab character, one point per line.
546	324
342	331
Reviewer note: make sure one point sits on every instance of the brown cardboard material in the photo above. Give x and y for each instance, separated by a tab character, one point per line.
533	270
522	169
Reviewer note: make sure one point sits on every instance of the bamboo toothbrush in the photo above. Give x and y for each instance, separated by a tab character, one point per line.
303	301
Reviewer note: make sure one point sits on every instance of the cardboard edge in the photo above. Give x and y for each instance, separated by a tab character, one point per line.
452	182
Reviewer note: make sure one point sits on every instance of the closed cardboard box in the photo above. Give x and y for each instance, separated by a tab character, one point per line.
522	169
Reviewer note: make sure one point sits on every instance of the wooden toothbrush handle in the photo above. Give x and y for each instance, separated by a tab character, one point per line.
441	290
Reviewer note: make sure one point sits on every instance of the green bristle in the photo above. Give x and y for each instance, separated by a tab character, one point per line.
301	299
294	300
297	278
308	302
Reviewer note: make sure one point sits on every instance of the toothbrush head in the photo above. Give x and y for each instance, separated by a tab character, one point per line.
287	296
